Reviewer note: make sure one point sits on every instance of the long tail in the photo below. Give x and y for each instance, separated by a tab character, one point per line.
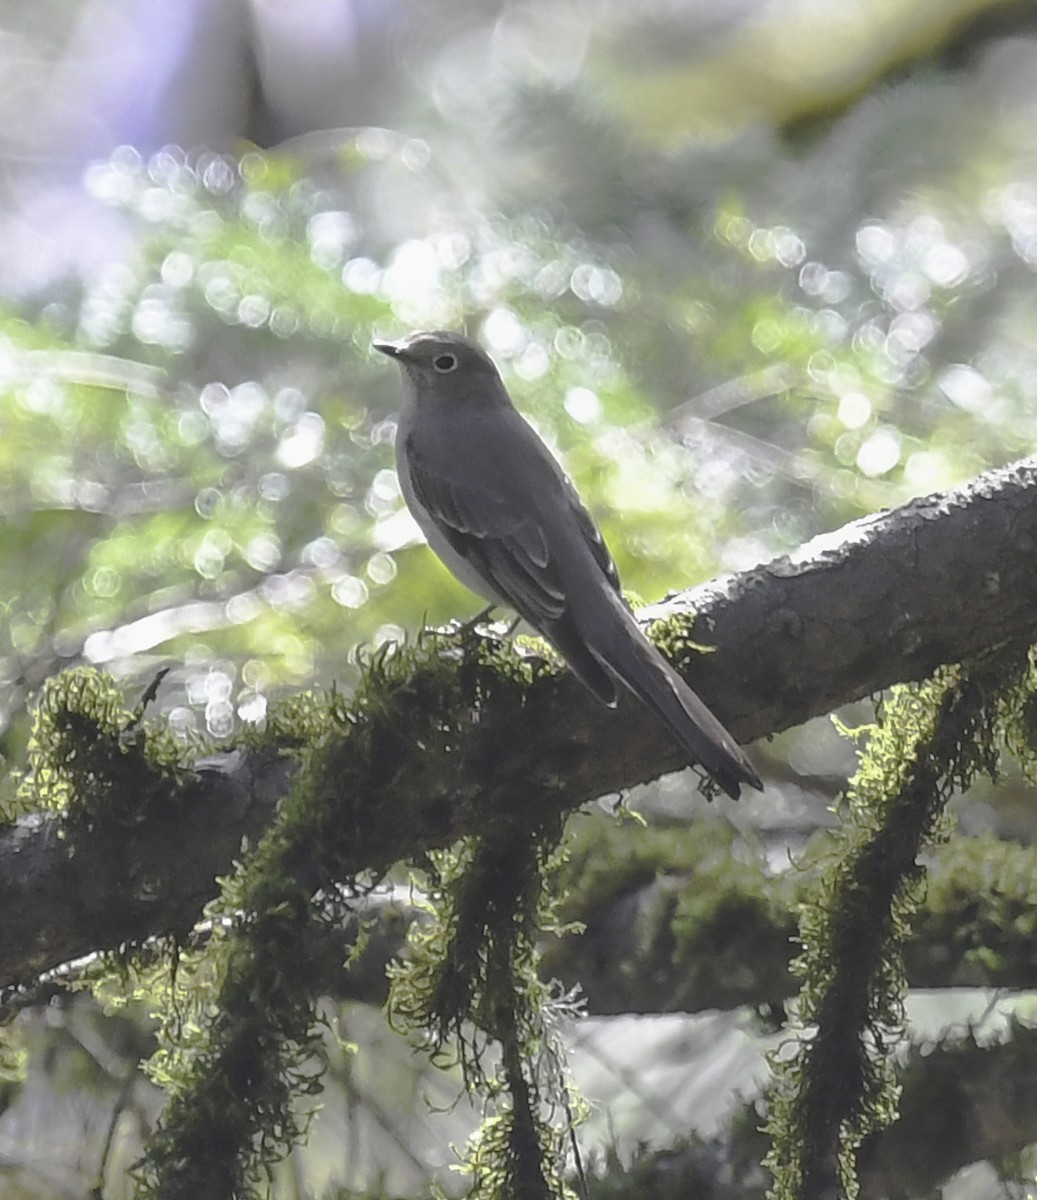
628	655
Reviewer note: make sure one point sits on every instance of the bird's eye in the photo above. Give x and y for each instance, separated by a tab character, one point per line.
445	363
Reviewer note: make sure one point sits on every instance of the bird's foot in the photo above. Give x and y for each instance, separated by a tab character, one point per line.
465	631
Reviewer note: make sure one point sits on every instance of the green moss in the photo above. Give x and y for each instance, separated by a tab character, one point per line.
840	1086
95	761
241	1032
981	915
234	1072
366	795
471	979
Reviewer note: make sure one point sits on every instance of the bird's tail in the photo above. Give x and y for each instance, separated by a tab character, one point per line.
638	665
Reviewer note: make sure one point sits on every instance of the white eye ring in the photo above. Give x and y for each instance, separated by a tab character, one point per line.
445	363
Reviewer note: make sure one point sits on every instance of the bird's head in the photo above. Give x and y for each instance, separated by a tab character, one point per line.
445	366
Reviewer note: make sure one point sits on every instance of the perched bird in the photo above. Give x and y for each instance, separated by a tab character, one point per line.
501	513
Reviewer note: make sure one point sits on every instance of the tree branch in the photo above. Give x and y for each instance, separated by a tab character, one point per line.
65	894
886	599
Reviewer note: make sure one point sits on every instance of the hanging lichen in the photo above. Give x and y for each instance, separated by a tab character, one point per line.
839	1084
470	989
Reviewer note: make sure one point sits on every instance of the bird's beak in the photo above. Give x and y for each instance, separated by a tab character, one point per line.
393	349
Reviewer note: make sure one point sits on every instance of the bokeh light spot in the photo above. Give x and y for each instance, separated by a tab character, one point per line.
879	452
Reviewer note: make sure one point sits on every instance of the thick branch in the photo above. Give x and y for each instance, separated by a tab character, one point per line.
66	894
884	600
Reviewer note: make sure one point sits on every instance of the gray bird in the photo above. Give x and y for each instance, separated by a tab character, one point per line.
504	517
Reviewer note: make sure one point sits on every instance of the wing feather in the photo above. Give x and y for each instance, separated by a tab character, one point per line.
507	546
507	549
592	536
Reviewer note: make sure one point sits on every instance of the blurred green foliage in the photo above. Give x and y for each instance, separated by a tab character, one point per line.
197	462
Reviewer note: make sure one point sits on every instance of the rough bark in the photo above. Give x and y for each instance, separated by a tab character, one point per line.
65	895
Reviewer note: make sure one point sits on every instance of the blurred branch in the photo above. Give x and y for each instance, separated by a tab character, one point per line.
718	930
886	599
961	1103
733	394
81	367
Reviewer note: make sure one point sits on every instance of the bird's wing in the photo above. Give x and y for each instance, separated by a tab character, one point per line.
592	536
504	544
513	531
